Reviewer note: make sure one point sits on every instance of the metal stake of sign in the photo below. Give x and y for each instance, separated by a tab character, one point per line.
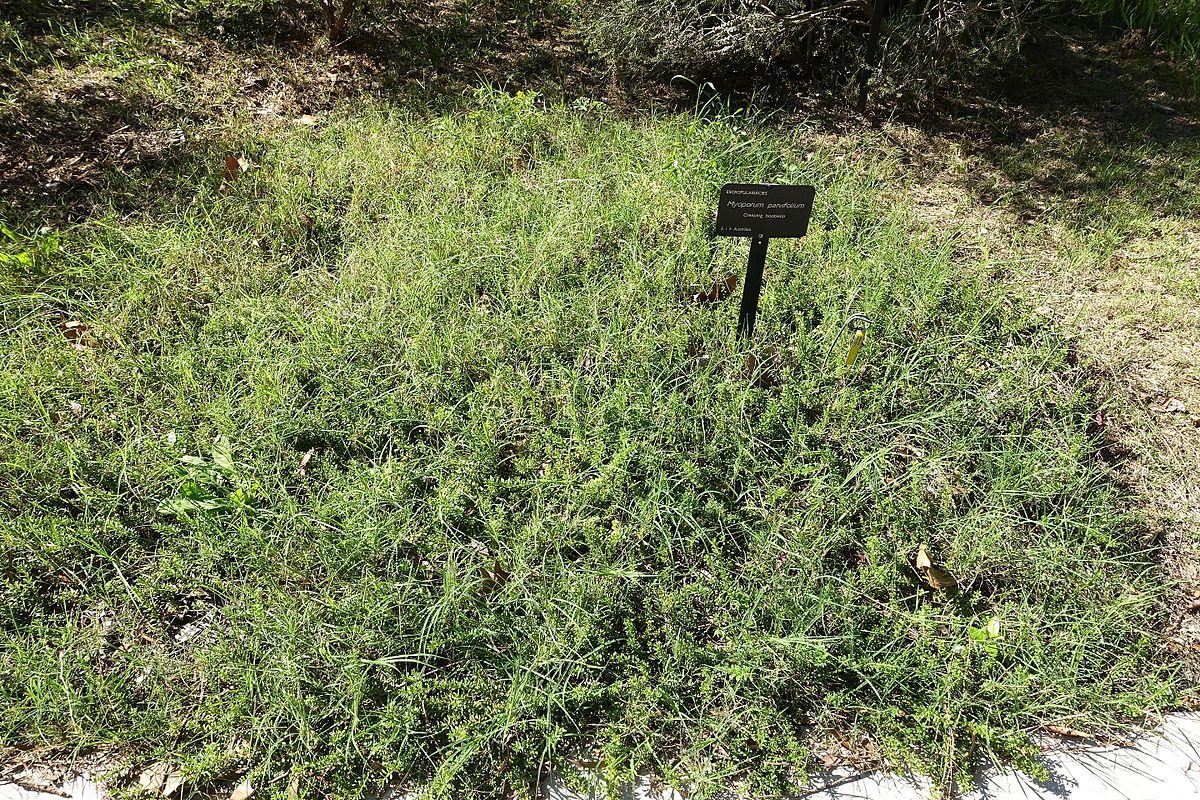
752	288
761	211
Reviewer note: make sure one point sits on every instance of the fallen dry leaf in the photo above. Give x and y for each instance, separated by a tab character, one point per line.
161	778
76	412
235	166
720	289
172	784
243	791
494	577
302	468
764	373
153	776
940	578
293	791
1173	405
937	577
306	119
1073	733
78	334
1062	730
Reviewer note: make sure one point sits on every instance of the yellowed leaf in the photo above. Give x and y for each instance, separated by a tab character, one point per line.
936	576
940	578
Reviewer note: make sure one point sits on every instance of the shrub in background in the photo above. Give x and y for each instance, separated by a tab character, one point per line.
708	39
1171	24
701	38
930	47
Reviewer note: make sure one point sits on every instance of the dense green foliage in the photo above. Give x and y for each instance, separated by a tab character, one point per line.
544	515
926	48
1173	24
736	40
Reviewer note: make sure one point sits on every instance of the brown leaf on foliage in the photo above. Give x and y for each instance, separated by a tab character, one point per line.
720	289
78	334
306	119
940	578
936	576
243	791
923	561
764	373
302	468
494	576
235	166
293	790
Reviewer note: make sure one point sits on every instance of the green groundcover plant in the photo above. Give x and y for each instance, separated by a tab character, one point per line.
407	454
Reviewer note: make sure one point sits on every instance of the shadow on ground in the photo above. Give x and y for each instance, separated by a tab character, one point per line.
1076	121
100	87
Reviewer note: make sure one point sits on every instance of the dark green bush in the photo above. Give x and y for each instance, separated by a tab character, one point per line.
708	39
1171	24
702	37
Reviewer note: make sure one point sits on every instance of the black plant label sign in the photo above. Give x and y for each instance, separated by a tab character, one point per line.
764	209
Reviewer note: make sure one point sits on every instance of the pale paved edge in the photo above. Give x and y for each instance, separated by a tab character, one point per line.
1162	765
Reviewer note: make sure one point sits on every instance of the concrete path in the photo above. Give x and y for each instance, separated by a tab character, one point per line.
1162	765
